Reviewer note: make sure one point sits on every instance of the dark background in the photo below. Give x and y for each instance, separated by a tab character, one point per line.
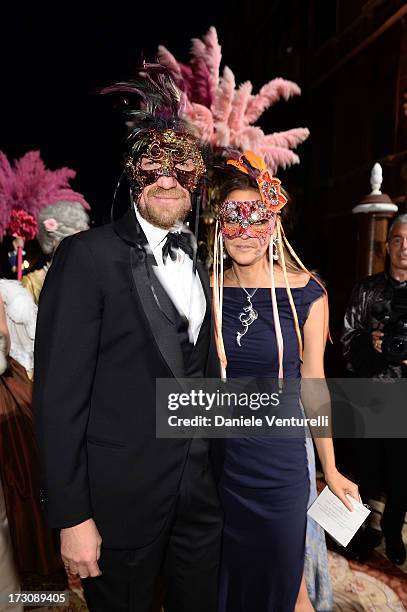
349	57
58	59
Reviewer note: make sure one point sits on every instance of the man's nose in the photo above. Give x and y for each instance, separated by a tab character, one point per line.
167	182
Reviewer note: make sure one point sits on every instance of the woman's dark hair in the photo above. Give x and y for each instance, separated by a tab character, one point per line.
232	180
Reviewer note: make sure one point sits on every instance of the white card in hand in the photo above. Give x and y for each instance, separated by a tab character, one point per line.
335	518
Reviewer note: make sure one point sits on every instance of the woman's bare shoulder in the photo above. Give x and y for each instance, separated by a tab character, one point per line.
295	279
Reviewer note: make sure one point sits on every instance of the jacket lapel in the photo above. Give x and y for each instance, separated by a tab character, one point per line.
203	276
207	331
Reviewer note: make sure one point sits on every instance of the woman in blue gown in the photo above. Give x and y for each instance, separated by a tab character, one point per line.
268	314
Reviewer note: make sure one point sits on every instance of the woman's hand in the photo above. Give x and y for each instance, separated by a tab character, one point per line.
341	486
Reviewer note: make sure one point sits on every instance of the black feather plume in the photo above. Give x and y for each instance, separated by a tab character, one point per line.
151	102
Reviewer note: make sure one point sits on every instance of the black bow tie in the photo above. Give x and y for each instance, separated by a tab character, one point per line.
174	241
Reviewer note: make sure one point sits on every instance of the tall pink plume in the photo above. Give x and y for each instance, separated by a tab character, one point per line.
29	185
202	119
213	57
6	192
268	95
201	92
278	157
239	105
221	135
233	111
210	52
198	49
38	187
248	139
289	139
183	74
69	195
187	83
222	103
167	59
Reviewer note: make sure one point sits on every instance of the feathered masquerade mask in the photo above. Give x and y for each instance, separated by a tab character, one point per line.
254	218
160	142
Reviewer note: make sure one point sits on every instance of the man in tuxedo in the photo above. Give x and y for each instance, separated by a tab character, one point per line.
130	506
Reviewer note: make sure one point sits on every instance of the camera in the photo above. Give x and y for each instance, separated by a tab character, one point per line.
392	313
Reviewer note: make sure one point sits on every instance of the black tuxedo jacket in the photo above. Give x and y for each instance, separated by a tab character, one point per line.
103	337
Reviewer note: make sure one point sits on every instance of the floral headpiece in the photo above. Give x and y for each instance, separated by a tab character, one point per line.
269	186
51	224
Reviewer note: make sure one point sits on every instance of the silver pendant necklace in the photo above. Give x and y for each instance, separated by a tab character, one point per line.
249	314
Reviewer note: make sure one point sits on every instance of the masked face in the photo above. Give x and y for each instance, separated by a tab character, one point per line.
246	218
168	154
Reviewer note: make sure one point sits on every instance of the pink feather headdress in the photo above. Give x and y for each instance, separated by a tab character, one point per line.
29	186
223	114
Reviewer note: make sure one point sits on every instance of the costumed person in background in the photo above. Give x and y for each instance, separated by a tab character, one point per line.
226	116
265	481
9	579
131	506
55	222
373	349
33	200
32	542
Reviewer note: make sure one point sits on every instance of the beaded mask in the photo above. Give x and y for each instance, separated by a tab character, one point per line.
250	218
168	154
253	218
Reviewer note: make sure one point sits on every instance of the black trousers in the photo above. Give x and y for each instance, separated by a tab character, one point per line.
185	555
383	467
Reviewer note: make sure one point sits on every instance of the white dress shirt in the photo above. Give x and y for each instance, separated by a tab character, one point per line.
183	287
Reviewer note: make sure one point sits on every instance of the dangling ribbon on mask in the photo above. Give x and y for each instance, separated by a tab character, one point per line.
270	191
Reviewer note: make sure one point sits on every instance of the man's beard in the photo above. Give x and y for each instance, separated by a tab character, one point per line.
164	216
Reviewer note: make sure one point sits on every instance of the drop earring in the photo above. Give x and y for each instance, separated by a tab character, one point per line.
276	255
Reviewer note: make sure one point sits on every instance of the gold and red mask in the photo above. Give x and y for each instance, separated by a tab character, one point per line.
168	153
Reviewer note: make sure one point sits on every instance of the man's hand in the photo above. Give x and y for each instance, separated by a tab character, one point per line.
80	549
377	339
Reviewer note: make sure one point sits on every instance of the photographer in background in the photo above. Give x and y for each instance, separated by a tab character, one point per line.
375	346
